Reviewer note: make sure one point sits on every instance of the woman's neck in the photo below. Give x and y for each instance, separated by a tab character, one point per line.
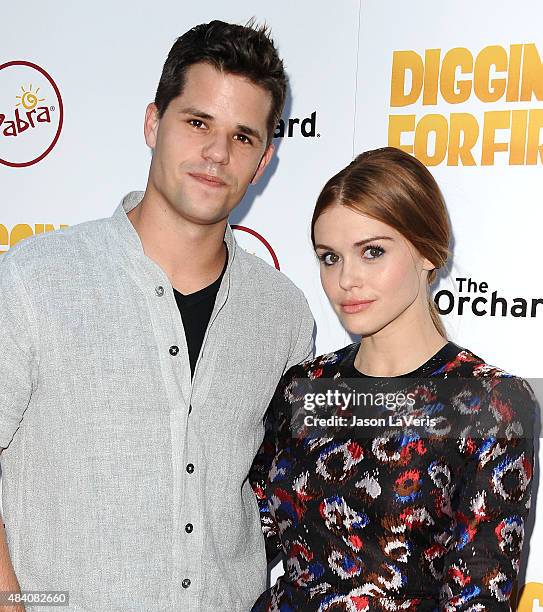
393	351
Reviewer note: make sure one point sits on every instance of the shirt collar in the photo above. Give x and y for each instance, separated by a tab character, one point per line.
131	239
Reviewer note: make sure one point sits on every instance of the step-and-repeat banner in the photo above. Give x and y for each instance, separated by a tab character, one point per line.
458	85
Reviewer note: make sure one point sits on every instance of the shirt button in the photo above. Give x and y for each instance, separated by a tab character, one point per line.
174	350
159	291
186	583
190	468
189	527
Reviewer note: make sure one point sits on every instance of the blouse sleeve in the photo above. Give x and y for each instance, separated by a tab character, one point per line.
260	469
493	503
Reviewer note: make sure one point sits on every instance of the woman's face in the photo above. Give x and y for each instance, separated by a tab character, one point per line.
371	274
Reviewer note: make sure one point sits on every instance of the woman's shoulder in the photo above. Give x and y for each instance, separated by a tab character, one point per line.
508	394
464	363
294	382
326	365
467	363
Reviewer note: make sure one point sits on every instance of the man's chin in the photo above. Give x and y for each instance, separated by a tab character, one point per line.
202	215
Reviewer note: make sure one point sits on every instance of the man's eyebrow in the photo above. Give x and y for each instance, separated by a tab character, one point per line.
191	110
245	129
357	244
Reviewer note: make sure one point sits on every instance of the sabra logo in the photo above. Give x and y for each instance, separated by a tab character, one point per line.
256	244
34	115
31	114
295	125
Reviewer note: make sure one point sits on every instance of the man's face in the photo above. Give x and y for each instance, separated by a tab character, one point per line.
210	143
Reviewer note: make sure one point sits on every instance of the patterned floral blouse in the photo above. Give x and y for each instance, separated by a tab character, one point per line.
425	518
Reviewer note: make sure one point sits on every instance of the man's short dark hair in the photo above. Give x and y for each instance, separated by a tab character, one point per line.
246	50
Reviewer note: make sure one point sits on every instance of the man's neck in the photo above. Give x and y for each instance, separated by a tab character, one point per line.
190	254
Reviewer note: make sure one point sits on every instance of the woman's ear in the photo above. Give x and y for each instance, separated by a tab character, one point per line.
428	265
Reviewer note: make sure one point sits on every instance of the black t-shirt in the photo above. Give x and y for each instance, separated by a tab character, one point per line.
196	309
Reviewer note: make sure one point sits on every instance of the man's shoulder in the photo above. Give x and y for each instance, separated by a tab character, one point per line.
62	245
266	278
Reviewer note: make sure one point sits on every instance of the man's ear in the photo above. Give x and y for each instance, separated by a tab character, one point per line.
150	125
264	161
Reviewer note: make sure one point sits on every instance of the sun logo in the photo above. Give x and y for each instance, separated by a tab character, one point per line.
29	99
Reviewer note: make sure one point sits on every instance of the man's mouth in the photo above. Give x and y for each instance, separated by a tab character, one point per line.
207	179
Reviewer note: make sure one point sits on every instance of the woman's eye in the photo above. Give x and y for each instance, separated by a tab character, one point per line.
374	251
329	259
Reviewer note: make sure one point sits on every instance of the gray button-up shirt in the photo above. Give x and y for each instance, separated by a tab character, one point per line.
124	482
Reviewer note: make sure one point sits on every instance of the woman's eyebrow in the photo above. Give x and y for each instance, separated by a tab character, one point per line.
357	244
366	240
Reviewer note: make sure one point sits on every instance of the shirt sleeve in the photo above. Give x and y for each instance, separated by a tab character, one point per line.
493	504
18	363
304	346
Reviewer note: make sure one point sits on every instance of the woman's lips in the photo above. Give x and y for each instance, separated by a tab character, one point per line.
352	307
208	179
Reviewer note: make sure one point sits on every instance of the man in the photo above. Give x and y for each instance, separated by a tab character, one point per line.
138	354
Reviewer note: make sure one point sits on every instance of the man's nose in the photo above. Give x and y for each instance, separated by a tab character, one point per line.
216	148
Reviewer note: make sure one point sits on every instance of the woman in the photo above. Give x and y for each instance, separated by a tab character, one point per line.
398	516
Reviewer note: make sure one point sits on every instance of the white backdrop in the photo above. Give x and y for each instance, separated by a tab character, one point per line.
105	59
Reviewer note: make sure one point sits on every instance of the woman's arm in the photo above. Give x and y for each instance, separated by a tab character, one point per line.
258	477
494	500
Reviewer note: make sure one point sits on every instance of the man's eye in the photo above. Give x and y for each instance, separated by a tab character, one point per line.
197	123
329	259
244	139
